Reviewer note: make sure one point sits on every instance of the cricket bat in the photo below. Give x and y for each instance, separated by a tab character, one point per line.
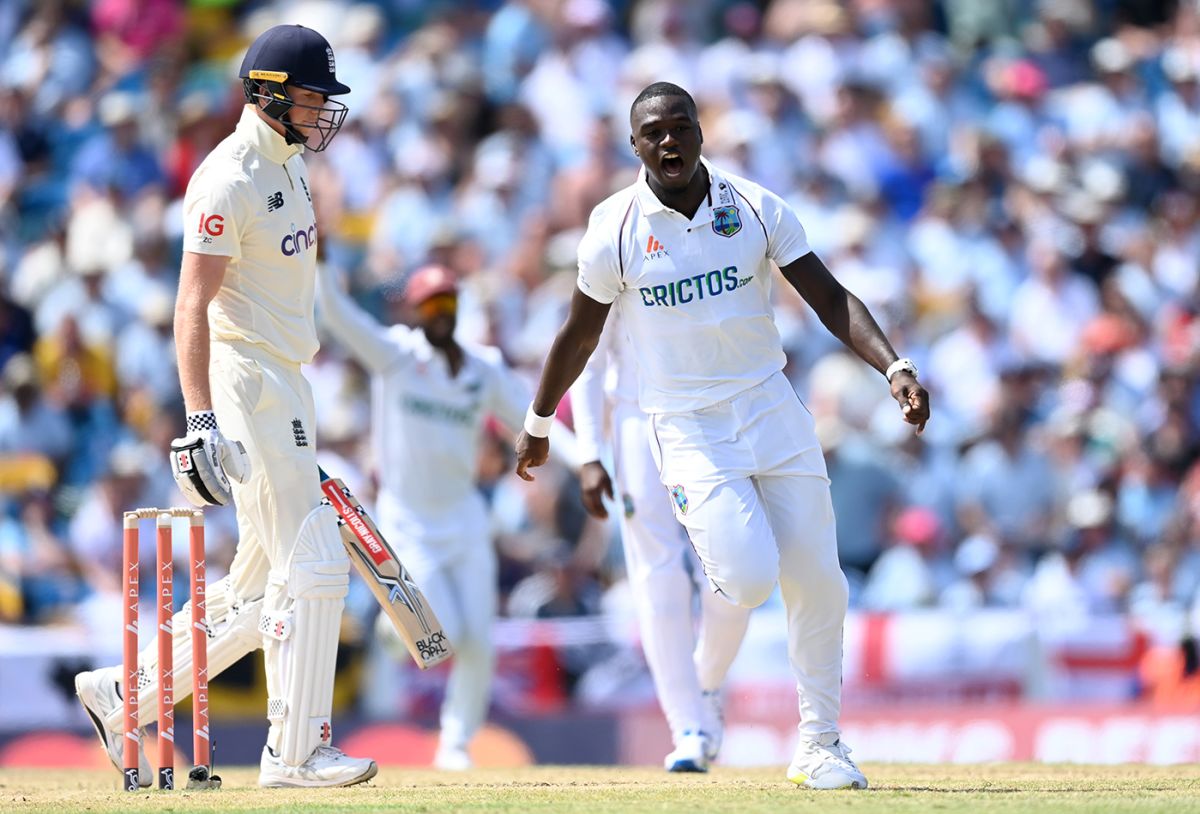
387	578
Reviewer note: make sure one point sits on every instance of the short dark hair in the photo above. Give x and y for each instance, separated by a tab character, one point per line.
657	89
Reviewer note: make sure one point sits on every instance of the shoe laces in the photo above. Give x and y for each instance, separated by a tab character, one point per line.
331	752
836	753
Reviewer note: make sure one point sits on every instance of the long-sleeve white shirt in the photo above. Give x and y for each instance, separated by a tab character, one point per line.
427	425
609	378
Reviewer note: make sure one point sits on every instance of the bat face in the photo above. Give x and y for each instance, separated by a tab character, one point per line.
387	578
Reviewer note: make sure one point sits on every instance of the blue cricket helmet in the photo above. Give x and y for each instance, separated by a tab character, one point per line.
298	56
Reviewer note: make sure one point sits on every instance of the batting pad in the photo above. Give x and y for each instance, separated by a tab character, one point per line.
301	618
232	633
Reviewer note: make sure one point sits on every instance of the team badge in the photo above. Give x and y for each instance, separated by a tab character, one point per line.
726	221
679	498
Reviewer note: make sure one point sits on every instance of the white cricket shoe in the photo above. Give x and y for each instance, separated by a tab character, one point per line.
714	722
690	755
97	691
452	759
820	766
326	767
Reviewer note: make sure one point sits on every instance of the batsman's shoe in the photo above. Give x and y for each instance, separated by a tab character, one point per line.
690	755
326	767
714	722
452	759
97	691
820	766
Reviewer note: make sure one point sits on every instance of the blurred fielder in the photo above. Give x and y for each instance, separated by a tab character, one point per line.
430	399
661	564
686	253
243	327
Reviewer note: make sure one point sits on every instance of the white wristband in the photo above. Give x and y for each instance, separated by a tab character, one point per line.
898	365
538	425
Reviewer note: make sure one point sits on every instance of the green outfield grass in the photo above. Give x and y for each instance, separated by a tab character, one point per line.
590	789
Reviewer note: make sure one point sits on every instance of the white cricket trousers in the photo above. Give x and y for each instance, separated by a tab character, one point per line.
458	578
747	479
663	572
266	404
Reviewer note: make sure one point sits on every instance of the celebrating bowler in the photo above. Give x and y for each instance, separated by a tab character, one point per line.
685	253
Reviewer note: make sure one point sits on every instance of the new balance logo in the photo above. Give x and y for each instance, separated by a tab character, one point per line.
274	201
655	249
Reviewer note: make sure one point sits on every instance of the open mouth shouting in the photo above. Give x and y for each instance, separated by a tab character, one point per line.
672	164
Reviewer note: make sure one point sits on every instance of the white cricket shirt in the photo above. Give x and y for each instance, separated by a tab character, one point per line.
427	425
609	378
694	296
250	201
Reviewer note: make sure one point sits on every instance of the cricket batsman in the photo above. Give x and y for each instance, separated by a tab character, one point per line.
244	325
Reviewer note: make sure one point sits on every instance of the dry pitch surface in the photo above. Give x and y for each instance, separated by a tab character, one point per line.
590	789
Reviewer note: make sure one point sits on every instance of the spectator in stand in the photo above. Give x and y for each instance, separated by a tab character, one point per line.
865	494
48	577
1051	307
983	581
1006	488
28	422
115	158
911	572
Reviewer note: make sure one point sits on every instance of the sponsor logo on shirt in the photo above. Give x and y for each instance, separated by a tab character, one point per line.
299	240
210	226
655	250
438	411
274	201
693	288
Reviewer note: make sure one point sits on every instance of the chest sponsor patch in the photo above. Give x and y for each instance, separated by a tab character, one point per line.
693	288
440	411
300	240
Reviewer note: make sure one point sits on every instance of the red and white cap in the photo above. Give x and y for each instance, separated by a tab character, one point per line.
429	281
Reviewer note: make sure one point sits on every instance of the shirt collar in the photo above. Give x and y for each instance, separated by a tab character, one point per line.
260	136
650	203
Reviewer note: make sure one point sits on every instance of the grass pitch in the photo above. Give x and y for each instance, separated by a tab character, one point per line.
591	789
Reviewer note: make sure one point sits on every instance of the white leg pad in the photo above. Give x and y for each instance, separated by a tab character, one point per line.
232	633
302	614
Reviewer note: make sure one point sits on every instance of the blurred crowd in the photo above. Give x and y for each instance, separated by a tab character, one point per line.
1011	186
